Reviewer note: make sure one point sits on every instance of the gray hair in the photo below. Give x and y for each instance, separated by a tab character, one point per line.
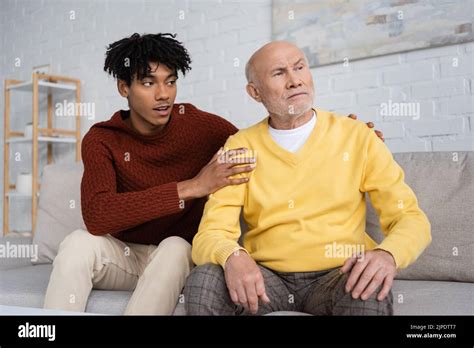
249	71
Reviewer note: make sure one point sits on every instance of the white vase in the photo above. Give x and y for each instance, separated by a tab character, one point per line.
24	183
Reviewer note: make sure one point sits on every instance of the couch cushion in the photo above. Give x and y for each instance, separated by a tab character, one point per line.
417	297
59	208
444	185
15	262
26	287
412	297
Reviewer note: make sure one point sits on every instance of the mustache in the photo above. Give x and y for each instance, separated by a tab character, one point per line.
289	95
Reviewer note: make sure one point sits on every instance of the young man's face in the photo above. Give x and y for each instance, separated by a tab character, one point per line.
151	98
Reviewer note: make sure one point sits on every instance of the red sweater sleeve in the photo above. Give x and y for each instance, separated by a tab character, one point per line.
106	211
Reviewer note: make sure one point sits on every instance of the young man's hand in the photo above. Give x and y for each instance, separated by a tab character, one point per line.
216	174
367	273
245	281
370	125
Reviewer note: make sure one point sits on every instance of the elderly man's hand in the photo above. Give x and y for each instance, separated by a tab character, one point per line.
370	125
367	273
245	281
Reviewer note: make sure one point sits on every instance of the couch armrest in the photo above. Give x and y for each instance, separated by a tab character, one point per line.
10	254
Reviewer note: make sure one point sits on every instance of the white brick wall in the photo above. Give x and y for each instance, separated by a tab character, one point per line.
220	36
439	79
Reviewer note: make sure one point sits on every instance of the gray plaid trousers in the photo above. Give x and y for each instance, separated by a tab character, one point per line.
317	293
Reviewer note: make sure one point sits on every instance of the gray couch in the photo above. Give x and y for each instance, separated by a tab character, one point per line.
439	283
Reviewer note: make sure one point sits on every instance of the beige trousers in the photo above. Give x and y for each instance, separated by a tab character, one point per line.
156	273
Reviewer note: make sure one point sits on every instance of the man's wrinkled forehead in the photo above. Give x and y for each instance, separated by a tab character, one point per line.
284	63
278	56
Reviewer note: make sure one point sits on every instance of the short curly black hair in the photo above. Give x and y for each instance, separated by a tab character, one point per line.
129	58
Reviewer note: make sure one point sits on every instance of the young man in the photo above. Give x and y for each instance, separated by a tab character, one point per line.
147	174
305	196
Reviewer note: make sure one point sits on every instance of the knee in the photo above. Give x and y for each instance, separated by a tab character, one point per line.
172	259
76	248
76	240
204	276
176	245
371	306
203	283
173	249
347	305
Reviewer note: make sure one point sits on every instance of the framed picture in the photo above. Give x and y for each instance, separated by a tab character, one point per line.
340	30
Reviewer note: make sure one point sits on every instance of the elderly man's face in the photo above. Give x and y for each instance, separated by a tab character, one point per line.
282	80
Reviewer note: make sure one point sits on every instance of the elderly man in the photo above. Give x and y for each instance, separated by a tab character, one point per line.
303	204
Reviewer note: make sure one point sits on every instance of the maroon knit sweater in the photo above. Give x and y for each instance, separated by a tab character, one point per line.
129	186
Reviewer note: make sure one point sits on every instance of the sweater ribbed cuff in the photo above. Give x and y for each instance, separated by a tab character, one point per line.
168	199
224	251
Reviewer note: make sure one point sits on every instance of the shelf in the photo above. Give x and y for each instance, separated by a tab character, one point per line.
41	139
19	195
19	234
43	86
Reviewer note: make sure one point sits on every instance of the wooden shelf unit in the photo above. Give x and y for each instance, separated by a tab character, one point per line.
39	83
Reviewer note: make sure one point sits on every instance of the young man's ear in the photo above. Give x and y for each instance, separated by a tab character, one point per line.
122	88
253	92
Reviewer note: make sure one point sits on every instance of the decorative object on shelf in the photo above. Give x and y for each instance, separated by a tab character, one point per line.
42	69
24	184
29	130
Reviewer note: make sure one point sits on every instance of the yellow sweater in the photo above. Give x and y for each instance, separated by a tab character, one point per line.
303	208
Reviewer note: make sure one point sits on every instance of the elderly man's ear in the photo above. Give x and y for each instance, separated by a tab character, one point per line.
253	92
